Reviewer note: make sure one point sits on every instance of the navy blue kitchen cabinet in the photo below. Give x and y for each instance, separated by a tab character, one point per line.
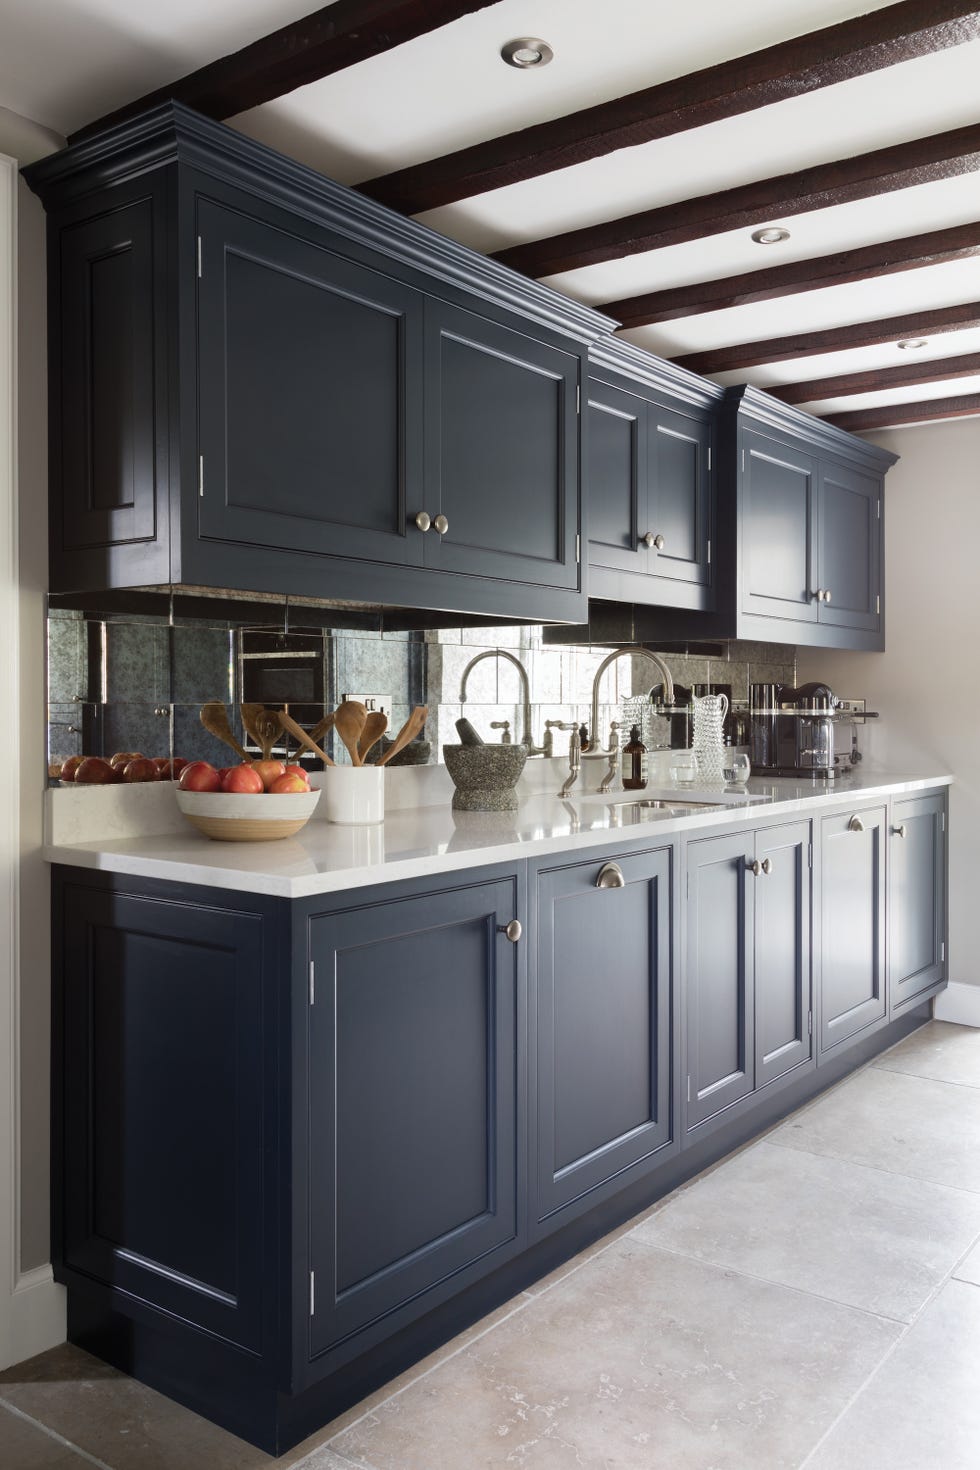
747	966
651	497
916	899
268	383
852	925
413	1097
601	1007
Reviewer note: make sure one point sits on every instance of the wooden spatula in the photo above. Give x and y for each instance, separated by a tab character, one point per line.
374	727
298	733
214	718
408	732
349	721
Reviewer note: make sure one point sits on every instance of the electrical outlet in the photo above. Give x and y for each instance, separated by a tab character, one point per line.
373	702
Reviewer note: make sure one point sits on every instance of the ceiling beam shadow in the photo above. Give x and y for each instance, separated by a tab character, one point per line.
868	43
332	38
938	247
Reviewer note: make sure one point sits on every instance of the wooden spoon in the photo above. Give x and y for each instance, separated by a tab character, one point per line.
214	718
349	721
323	727
374	727
408	732
258	728
297	731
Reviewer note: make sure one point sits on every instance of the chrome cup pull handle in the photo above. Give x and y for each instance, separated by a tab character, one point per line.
855	824
610	876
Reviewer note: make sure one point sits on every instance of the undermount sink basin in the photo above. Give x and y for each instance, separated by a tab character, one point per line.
689	799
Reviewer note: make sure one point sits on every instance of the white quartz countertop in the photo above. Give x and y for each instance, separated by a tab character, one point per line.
421	841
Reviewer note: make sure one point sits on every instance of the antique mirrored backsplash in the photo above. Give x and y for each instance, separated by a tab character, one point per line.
140	681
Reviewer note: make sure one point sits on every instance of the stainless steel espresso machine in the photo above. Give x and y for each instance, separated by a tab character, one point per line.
797	732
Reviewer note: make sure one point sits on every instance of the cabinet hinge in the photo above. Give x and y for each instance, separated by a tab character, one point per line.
878	604
809	1023
879	507
942	821
743	461
809	854
689	1089
709	551
312	983
578	399
942	953
200	255
200	475
312	1293
709	459
578	548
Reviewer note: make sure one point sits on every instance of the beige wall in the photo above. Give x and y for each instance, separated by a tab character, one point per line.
927	683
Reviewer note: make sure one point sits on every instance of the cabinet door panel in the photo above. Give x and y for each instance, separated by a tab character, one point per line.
108	386
776	532
852	883
916	897
163	1119
412	1099
501	450
679	502
617	479
849	544
720	1002
310	396
782	952
602	1007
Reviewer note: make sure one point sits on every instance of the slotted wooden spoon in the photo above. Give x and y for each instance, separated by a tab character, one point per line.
349	721
262	726
374	727
298	733
214	718
408	732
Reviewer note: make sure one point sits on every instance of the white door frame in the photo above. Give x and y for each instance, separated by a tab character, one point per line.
9	793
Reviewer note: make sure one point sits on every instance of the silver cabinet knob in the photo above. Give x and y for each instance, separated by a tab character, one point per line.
900	830
650	541
423	520
513	930
659	542
610	876
827	595
441	524
767	866
855	824
818	595
754	866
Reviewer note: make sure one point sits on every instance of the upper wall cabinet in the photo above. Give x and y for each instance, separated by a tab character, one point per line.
262	381
651	501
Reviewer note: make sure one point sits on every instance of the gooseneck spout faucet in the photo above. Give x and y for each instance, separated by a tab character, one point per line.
617	653
526	737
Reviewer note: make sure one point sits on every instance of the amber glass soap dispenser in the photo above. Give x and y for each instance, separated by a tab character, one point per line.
634	762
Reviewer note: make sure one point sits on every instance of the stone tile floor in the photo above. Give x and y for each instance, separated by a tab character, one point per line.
814	1300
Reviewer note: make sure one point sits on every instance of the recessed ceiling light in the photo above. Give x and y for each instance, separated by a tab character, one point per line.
771	235
527	51
912	344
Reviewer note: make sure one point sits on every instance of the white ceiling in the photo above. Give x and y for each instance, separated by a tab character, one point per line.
65	62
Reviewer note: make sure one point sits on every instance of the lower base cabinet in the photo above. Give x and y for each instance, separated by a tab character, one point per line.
298	1144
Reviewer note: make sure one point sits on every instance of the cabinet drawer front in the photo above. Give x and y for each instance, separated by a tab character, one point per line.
783	1035
776	532
617	495
916	897
601	1004
719	976
164	1142
849	548
310	375
852	949
413	1075
501	451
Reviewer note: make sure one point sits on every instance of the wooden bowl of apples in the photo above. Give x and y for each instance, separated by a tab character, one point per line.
258	801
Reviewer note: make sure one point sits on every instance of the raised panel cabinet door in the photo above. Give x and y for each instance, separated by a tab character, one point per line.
852	923
166	1152
680	499
501	451
310	396
109	380
601	1003
719	978
413	1117
916	897
777	528
783	1020
617	479
848	548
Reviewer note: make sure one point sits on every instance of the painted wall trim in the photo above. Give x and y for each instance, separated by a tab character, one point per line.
38	1314
959	1003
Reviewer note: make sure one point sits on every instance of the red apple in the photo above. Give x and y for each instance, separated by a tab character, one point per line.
141	770
123	757
286	785
298	771
199	776
94	771
70	766
243	780
162	765
268	771
177	765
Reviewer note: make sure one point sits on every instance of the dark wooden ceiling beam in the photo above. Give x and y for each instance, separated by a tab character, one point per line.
893	34
936	248
743	355
896	414
335	37
908	375
901	166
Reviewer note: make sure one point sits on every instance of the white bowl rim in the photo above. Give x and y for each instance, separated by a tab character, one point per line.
260	806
